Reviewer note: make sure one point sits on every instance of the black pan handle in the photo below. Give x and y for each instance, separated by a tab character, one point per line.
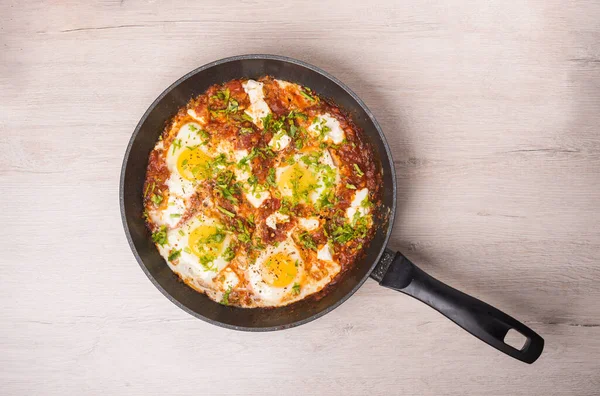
482	320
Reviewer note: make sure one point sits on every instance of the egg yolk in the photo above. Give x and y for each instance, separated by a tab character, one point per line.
206	242
297	181
279	270
192	164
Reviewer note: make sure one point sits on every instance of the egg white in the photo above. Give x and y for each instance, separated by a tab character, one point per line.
188	265
308	224
258	107
280	141
335	134
276	217
356	204
270	295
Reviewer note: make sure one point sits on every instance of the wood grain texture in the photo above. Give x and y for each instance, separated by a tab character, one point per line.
492	110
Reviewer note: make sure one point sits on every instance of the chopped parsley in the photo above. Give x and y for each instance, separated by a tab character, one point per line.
304	91
290	160
149	188
229	105
225	299
358	171
175	253
326	201
207	262
242	232
253	183
271	177
285	206
217	237
320	125
232	106
225	211
226	186
307	241
204	135
244	163
296	289
293	131
228	254
156	199
266	152
160	236
350	186
176	145
292	115
347	232
312	158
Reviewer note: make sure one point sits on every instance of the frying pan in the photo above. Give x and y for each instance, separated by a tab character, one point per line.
391	269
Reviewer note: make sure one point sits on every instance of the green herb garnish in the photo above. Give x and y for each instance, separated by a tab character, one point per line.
307	241
223	210
305	92
228	254
358	171
271	177
296	289
176	145
175	253
225	299
156	199
227	187
160	236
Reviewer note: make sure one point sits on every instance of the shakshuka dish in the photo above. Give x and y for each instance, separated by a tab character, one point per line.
261	193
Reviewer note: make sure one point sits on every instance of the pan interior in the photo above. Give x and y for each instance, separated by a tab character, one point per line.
134	169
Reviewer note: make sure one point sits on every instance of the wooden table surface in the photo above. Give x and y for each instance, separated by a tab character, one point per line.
491	109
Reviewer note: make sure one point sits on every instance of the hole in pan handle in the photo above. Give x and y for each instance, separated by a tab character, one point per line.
478	318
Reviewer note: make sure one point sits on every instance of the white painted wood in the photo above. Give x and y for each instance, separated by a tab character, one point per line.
491	109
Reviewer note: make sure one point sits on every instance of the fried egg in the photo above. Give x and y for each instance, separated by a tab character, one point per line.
309	178
199	249
277	273
187	160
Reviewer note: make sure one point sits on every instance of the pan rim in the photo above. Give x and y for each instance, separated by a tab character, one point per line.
392	214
